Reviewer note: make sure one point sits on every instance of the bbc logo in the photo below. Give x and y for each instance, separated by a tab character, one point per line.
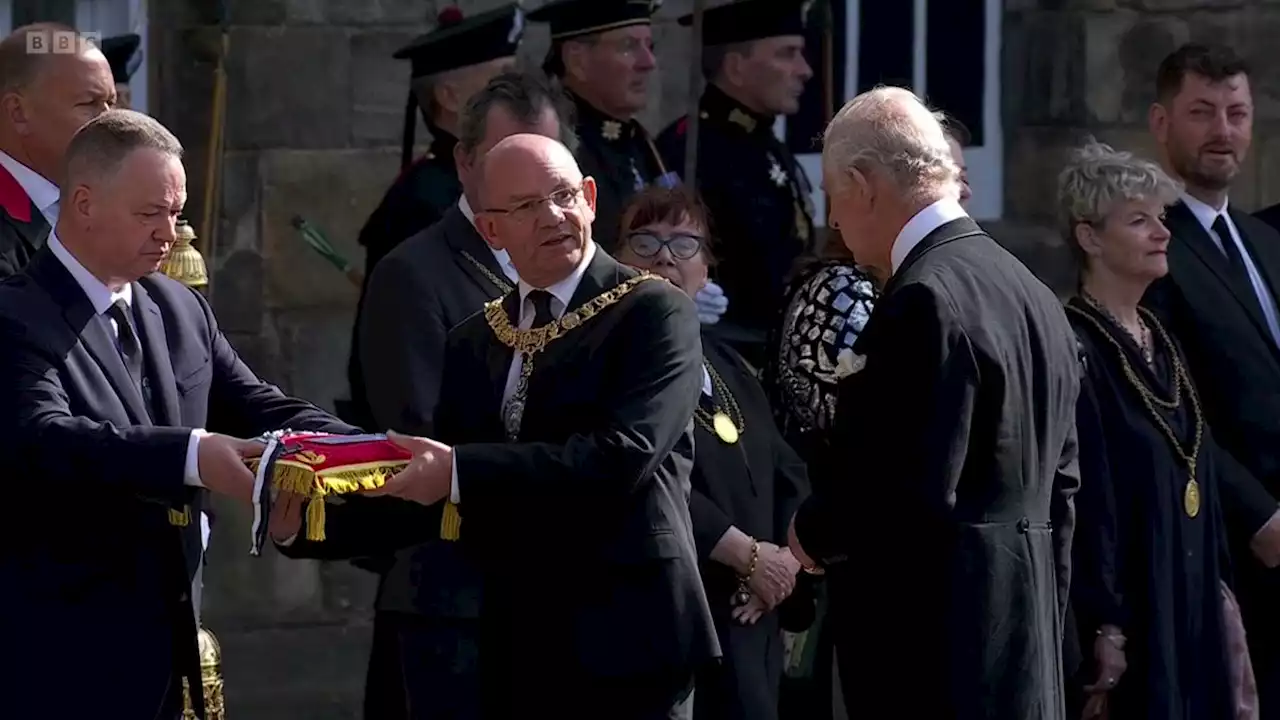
61	42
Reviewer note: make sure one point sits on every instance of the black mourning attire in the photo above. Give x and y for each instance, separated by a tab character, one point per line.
617	152
958	432
1217	313
616	623
758	195
426	188
423	660
754	484
1142	562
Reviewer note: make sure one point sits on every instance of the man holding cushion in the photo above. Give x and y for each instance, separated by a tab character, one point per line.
111	374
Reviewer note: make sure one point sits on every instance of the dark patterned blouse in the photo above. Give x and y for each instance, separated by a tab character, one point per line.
827	309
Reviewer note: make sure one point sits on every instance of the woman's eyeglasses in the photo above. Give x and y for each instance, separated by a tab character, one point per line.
647	245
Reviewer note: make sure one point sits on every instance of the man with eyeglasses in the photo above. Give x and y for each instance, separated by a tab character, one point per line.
602	53
567	409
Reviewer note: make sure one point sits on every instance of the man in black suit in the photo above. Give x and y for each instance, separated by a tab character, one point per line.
569	462
948	549
429	599
1220	299
111	375
45	98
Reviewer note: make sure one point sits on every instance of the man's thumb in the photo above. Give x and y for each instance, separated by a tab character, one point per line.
413	444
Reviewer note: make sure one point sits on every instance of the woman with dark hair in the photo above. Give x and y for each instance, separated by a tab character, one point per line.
1157	623
746	481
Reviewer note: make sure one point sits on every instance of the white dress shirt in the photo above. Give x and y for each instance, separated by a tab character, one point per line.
1206	215
561	294
102	298
504	259
43	194
920	225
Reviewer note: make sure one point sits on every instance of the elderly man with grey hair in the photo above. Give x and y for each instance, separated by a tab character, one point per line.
112	373
948	543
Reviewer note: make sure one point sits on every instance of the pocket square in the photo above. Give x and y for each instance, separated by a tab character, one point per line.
849	362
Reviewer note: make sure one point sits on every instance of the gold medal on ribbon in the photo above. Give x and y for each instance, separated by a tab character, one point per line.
725	428
1191	498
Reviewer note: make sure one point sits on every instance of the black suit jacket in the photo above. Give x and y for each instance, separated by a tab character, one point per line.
581	529
419	292
1232	356
88	558
949	541
23	229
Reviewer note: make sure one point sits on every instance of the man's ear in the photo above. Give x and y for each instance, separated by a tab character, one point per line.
461	160
574	55
487	225
1158	122
589	192
15	112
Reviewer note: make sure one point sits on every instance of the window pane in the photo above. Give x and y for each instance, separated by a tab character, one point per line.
886	48
955	61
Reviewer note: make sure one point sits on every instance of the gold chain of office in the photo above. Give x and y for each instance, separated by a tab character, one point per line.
535	340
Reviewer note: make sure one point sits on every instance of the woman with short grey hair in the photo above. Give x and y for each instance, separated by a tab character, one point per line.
1151	567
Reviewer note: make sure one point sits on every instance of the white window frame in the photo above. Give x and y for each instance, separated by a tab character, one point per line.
108	17
985	162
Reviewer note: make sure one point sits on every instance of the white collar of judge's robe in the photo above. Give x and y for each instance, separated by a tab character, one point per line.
504	259
920	225
99	295
43	194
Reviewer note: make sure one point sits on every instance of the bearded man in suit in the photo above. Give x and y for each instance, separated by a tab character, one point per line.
112	373
1220	298
567	407
44	99
949	554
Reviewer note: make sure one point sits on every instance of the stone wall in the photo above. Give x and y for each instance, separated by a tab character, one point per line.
313	121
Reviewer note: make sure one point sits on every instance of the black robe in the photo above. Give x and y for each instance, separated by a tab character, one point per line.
1141	562
755	485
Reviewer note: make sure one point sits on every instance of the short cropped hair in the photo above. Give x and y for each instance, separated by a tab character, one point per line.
101	146
1214	63
890	129
524	94
18	66
1098	178
656	204
713	56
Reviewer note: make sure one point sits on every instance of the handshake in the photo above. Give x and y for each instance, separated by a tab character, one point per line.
301	469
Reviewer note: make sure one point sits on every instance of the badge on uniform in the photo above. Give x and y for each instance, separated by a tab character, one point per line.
777	174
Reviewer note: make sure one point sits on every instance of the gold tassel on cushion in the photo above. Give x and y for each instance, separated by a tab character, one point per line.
315	519
450	523
180	518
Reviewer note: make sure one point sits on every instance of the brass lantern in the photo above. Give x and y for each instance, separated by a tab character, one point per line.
210	679
184	262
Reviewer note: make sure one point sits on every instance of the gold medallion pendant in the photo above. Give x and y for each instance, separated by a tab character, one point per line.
725	428
1191	498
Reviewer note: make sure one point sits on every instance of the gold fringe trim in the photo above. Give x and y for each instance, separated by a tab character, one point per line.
450	523
301	479
180	518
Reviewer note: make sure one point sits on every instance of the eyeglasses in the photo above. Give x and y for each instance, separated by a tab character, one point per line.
564	198
682	245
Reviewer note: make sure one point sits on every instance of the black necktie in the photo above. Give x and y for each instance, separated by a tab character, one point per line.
1229	248
541	300
130	348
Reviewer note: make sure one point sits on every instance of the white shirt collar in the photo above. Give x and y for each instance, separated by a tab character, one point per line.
43	193
1204	212
503	258
562	291
99	295
918	228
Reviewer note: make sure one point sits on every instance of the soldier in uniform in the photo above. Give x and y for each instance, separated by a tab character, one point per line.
449	65
124	58
753	60
602	53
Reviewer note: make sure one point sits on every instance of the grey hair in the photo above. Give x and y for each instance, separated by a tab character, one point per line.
890	130
524	94
1097	178
103	143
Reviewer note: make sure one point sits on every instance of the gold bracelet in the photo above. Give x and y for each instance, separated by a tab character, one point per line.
743	595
